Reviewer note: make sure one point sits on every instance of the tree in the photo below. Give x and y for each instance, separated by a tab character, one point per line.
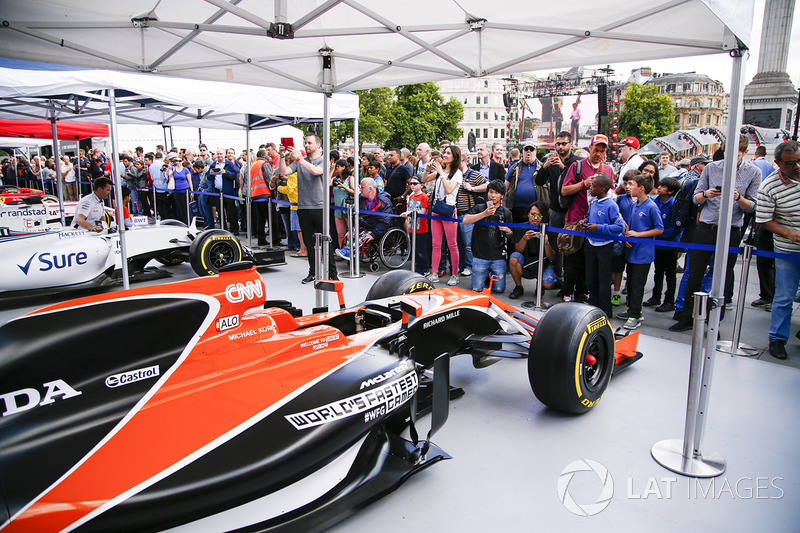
646	114
422	115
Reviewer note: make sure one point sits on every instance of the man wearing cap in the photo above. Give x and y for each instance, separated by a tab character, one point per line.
520	186
629	156
683	168
577	184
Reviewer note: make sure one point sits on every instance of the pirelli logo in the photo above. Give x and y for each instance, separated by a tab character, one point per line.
597	324
380	400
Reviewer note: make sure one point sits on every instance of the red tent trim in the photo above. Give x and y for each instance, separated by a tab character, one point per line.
42	129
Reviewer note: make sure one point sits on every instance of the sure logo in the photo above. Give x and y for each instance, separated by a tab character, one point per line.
239	292
48	261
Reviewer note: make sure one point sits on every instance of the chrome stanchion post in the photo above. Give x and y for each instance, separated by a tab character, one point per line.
352	244
269	224
155	204
222	223
542	237
685	457
188	208
733	346
413	241
320	268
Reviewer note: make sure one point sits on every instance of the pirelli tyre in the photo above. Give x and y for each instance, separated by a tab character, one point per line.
398	282
212	250
571	357
49	199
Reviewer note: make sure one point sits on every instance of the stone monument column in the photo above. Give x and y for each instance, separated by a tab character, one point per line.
771	97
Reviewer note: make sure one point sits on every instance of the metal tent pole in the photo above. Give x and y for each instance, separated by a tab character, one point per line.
112	104
57	160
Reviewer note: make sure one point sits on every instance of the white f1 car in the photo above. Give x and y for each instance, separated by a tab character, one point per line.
76	258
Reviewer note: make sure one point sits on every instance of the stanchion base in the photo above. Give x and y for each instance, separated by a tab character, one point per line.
744	349
351	276
532	305
669	454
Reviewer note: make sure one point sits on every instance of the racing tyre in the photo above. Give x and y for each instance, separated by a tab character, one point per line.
49	199
571	357
212	250
398	282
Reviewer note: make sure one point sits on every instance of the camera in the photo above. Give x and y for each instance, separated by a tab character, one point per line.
164	167
337	182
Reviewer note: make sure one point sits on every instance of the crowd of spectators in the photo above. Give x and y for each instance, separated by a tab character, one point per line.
469	200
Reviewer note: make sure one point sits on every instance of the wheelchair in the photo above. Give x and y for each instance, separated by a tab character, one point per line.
393	248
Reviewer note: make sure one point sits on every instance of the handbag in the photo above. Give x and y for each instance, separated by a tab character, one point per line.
568	244
171	183
440	207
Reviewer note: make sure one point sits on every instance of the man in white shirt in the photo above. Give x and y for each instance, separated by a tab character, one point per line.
629	155
90	210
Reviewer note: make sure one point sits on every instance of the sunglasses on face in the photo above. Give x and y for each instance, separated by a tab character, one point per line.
562	143
527	149
414	183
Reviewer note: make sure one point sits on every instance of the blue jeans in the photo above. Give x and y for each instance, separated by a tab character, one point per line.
481	269
787	277
685	278
465	244
205	209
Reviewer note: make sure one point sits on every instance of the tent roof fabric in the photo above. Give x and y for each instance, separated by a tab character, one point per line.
29	90
43	129
286	43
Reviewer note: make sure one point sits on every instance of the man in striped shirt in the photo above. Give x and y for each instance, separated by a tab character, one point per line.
779	212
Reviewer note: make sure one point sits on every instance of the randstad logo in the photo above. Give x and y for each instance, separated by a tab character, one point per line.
603	499
238	292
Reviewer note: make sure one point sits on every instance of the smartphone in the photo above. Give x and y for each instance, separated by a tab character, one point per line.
287	142
718	187
490	204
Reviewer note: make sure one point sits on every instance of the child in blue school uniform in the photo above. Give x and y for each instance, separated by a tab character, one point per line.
603	220
645	224
666	258
625	203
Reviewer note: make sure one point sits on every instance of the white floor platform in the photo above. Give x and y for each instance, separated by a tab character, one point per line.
509	451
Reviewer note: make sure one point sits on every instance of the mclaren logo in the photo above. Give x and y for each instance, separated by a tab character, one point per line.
239	292
132	376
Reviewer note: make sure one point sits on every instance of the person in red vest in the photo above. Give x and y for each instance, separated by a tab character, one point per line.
260	176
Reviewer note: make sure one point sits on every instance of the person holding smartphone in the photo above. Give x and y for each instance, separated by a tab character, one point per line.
707	196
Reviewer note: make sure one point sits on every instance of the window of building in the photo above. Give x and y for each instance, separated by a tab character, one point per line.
708	120
671	88
477	99
485	115
496	115
678	102
694	103
717	120
465	100
485	133
485	99
503	133
677	119
477	115
496	134
694	119
687	87
485	84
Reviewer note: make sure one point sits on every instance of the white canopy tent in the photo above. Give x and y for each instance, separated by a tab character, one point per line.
334	45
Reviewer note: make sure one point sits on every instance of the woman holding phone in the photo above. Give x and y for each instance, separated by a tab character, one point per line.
448	181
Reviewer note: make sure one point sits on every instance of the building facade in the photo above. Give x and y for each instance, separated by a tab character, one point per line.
699	101
484	112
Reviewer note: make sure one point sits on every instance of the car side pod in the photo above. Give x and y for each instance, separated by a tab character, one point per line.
385	460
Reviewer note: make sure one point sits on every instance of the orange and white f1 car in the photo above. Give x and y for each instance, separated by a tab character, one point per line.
221	404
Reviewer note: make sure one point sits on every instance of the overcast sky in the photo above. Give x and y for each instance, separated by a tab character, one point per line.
718	66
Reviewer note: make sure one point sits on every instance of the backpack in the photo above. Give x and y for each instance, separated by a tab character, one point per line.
684	211
566	201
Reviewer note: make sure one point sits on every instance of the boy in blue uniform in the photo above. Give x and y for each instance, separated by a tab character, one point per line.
603	220
625	203
666	258
645	223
